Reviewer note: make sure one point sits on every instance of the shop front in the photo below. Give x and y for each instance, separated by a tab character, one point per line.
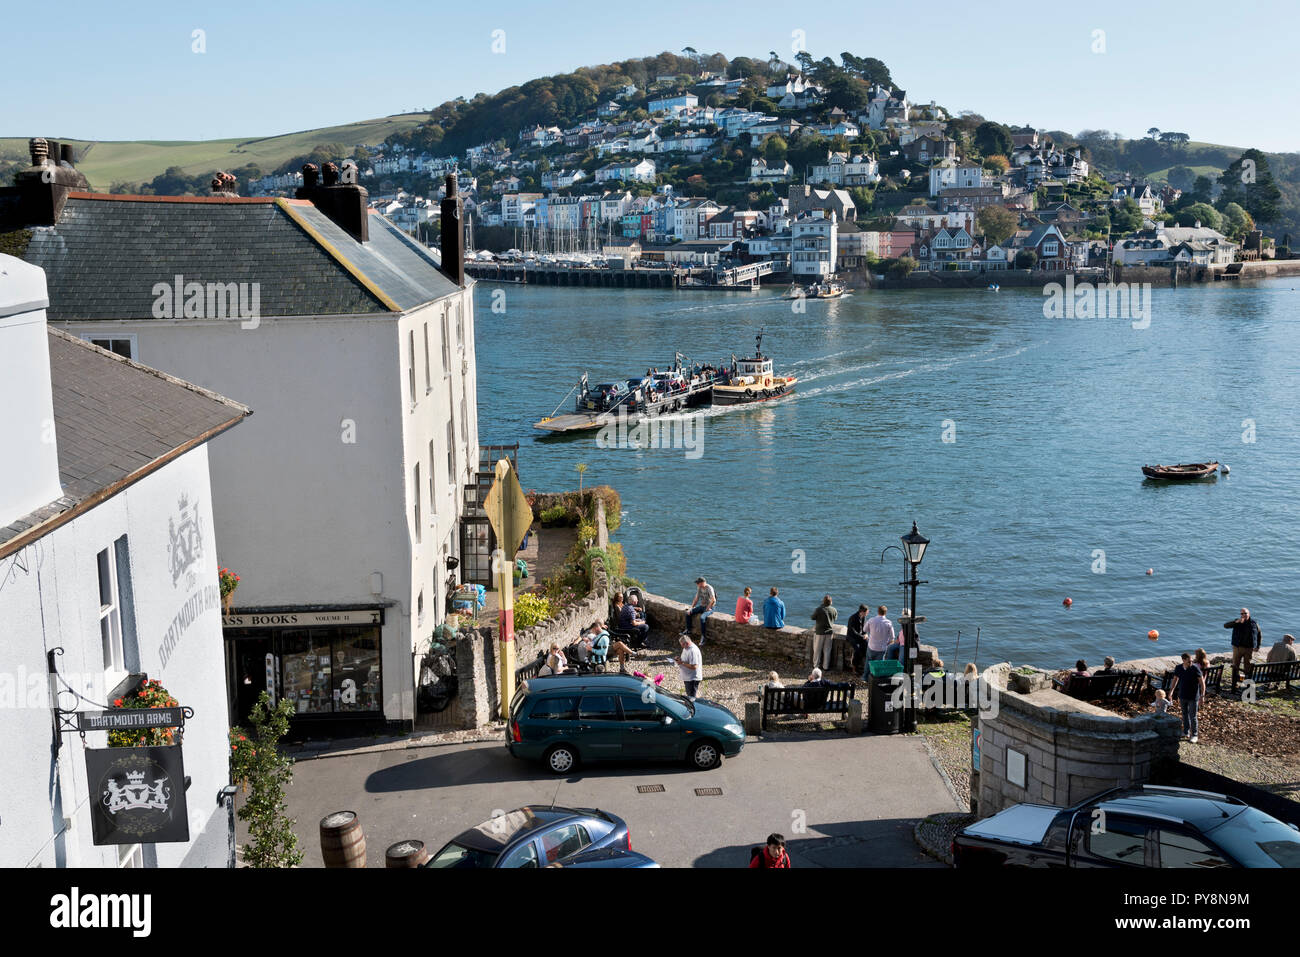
327	663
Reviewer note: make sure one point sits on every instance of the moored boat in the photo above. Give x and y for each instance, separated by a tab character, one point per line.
752	380
1193	470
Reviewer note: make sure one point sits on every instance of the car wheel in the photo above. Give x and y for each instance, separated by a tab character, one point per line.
561	759
705	755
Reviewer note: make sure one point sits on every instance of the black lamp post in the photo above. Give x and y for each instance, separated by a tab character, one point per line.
914	545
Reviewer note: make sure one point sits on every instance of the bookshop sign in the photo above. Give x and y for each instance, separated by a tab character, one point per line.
302	619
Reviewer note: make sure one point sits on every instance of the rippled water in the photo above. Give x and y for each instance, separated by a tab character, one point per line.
1053	419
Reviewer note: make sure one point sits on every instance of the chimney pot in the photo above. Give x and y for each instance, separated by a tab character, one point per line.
310	173
39	148
330	173
66	154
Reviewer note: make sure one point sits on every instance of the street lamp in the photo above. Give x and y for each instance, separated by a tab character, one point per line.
914	545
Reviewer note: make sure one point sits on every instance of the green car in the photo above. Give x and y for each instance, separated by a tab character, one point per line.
562	720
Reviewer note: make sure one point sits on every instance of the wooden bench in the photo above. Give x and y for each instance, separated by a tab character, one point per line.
529	670
1122	684
801	699
1274	671
1213	678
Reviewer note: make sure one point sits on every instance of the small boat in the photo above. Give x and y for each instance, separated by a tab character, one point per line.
826	290
751	380
1194	470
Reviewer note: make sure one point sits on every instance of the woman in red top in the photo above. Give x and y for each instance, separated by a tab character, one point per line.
744	607
772	855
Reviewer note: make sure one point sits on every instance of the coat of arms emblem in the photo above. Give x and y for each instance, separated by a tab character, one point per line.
186	539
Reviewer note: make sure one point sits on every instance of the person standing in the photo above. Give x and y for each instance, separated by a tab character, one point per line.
690	665
1189	687
823	633
1245	641
857	635
773	610
773	854
880	637
705	599
745	607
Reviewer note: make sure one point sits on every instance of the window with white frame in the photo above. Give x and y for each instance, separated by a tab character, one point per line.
415	486
451	453
130	855
428	369
446	343
410	368
122	345
110	616
433	488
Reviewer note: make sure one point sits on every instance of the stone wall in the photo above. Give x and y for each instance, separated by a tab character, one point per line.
1072	750
795	644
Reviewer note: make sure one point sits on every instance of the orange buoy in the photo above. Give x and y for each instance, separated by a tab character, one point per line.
1068	602
1151	571
1153	635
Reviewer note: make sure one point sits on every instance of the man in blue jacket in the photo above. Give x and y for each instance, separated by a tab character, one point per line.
1245	641
773	611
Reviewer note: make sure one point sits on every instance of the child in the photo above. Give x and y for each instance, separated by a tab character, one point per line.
1161	705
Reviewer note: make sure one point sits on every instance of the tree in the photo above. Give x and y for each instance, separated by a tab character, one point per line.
992	138
1154	132
902	268
1203	213
1236	221
1026	259
260	766
1181	177
775	148
997	223
1248	181
997	163
581	469
1202	189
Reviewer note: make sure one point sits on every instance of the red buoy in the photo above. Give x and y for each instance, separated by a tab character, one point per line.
1153	635
1068	602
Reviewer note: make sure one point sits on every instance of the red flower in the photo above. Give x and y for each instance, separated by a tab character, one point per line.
234	747
117	703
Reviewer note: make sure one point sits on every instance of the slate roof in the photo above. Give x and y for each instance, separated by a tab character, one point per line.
107	252
115	421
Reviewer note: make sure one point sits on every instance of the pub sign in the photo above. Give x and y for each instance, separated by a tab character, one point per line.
137	795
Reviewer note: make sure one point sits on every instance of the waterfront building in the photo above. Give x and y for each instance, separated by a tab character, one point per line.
1165	244
109	574
346	501
813	247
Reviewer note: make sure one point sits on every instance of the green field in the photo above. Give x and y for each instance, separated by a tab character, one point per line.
139	161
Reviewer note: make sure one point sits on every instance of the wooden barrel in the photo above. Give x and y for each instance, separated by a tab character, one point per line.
406	854
341	842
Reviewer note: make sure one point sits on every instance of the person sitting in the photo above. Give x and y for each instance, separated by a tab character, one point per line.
1080	671
602	646
1107	666
556	663
745	607
625	614
815	699
1283	650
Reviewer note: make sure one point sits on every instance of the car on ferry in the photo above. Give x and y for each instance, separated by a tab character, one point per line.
567	720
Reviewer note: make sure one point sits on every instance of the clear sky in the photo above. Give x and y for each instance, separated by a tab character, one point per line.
1221	72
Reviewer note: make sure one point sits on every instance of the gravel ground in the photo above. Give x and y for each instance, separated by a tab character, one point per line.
948	736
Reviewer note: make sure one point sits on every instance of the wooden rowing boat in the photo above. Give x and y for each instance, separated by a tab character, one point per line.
1194	470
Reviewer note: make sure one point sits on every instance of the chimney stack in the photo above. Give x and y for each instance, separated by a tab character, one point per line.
66	155
43	187
339	197
453	234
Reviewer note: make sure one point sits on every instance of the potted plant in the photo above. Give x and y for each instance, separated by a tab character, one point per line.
1026	680
229	582
148	694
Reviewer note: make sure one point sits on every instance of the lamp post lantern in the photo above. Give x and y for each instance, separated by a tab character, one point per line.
914	545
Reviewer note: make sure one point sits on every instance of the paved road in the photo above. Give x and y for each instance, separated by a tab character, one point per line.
857	798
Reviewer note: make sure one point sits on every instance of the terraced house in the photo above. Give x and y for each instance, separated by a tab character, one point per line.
346	499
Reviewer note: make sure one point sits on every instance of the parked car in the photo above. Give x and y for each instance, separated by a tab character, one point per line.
607	857
535	837
1146	826
562	720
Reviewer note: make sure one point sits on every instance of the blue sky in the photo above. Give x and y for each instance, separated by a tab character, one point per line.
1219	72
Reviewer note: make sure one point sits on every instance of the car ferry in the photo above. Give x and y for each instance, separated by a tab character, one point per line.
658	392
752	380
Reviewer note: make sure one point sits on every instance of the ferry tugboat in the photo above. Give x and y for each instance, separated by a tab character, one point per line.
656	393
752	380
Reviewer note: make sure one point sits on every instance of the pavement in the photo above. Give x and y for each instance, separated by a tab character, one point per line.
840	801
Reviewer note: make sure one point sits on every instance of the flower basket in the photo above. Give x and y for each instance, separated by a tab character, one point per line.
148	694
229	581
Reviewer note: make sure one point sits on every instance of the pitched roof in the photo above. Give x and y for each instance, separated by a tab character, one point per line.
107	252
115	421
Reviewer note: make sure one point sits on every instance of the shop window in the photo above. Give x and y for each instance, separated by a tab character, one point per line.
356	669
307	670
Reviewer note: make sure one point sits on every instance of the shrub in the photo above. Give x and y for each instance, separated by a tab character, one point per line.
613	506
556	515
267	773
531	608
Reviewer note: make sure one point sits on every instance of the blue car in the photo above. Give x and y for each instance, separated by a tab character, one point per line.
563	720
536	837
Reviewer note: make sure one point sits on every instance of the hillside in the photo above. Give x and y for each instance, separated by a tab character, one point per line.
139	161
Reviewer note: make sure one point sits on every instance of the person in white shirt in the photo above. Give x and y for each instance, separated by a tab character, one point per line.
880	635
690	665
